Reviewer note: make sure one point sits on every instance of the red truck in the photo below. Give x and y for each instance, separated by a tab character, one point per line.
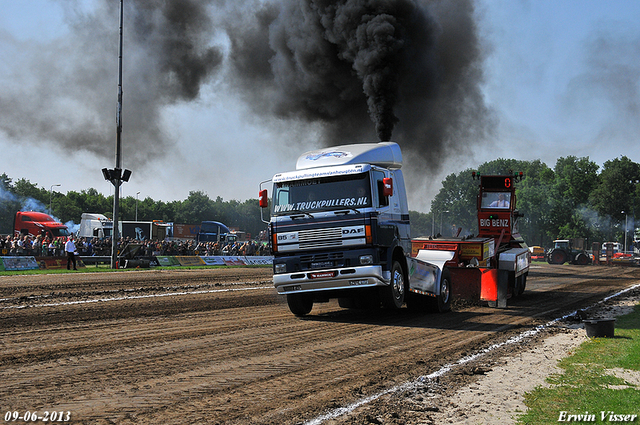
36	223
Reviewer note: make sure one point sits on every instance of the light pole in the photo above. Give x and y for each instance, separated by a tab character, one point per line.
137	193
442	212
433	223
626	216
116	175
51	193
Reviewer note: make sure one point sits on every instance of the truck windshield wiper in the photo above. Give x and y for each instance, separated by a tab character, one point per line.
346	210
291	213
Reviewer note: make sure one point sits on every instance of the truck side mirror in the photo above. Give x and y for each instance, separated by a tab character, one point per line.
263	199
387	186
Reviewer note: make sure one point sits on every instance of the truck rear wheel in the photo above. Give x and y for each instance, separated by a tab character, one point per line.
392	296
521	284
442	302
300	304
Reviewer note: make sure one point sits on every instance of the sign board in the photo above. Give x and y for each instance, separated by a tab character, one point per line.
18	263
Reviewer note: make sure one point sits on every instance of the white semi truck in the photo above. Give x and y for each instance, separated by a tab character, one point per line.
339	227
93	225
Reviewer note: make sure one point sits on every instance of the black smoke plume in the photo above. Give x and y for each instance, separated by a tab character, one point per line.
65	92
409	65
407	70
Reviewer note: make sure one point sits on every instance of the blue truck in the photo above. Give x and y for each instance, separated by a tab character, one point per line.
214	231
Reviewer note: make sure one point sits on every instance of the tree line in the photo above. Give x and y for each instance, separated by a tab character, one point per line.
573	199
198	207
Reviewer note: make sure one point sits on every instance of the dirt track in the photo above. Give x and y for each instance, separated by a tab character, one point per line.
219	346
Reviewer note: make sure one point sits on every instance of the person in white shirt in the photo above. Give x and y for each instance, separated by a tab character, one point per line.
70	249
501	202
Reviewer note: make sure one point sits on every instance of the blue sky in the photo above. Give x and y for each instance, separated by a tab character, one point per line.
564	76
561	77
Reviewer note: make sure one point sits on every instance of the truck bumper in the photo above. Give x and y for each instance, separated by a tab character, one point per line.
326	280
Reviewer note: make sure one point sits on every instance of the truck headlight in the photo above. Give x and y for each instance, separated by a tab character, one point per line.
366	259
280	268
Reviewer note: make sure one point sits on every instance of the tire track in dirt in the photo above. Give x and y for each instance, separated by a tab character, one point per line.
347	354
239	358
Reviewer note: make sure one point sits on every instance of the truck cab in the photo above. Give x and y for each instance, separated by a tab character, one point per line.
35	223
497	212
498	218
339	227
214	231
93	225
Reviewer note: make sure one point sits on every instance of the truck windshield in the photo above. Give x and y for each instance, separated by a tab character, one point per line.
496	199
322	194
60	231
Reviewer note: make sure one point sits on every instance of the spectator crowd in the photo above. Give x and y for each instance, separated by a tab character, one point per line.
42	246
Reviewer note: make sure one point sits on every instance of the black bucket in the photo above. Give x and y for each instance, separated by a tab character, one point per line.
599	328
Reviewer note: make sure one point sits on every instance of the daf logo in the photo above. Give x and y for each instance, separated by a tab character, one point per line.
352	231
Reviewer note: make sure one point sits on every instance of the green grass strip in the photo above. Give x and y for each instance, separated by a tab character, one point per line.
583	390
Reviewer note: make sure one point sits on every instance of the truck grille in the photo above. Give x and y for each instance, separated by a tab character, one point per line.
320	238
322	257
322	261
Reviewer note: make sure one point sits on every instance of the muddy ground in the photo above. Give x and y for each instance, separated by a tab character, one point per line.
220	346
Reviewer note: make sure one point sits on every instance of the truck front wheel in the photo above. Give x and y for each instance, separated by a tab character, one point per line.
392	296
300	304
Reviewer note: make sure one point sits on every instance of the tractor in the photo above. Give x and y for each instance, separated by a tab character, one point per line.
568	250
